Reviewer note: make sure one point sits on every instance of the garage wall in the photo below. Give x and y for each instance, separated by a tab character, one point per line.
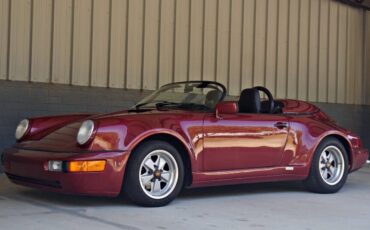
367	58
307	49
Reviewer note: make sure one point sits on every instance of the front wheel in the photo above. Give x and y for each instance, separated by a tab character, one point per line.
154	175
329	167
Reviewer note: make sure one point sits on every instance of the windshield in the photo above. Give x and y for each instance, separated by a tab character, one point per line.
197	95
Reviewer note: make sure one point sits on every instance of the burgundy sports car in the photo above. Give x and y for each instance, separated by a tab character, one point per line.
184	135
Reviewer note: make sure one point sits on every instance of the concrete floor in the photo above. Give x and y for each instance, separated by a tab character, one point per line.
257	206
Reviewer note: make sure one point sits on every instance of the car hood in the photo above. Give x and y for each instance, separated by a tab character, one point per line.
59	140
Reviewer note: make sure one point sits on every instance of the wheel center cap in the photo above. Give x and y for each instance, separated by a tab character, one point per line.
157	173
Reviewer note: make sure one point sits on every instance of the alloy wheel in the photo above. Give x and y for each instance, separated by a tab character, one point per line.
158	174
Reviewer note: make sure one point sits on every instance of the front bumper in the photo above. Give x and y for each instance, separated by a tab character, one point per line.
29	168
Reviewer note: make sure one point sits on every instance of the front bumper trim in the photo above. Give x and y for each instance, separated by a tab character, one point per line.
28	180
29	168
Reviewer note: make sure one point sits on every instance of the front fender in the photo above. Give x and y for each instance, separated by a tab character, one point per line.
125	135
133	143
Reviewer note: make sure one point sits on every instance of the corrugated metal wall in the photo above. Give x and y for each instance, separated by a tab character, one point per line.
367	59
307	49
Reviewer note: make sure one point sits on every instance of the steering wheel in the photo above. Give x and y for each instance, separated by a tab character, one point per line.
271	102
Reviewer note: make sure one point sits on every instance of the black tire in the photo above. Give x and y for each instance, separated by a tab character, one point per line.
315	181
133	186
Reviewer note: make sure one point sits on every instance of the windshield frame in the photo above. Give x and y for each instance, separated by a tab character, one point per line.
153	95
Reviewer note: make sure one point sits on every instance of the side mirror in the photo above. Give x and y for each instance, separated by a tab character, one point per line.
226	107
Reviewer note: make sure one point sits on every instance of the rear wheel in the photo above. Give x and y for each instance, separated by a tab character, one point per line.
154	175
329	167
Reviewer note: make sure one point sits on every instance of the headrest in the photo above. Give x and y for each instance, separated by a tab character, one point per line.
249	101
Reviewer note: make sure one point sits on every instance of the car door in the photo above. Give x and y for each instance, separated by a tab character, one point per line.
243	141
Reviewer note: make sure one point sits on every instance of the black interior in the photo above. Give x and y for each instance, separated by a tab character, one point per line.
250	101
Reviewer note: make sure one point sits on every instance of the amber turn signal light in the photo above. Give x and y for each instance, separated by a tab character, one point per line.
86	166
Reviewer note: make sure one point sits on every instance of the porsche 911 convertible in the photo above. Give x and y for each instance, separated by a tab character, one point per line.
184	134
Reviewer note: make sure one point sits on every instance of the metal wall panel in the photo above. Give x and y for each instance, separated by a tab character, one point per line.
249	18
118	45
182	40
333	53
293	48
151	41
259	54
282	49
166	42
81	42
4	31
313	54
100	43
351	52
342	54
323	47
195	40
20	40
271	46
134	48
41	42
367	59
222	49
236	29
316	50
209	40
359	56
62	42
303	49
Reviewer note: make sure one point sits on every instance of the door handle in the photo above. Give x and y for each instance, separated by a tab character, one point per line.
281	125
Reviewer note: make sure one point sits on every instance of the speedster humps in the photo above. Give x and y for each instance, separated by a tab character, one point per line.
184	135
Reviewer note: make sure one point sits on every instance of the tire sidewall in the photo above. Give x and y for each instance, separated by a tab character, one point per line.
132	186
315	172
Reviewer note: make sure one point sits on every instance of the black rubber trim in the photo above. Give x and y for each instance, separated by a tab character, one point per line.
48	183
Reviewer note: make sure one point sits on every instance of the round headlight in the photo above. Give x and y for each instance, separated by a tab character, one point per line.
22	129
85	132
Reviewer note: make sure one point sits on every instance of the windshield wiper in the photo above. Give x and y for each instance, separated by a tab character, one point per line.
182	105
140	105
158	104
193	106
166	103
